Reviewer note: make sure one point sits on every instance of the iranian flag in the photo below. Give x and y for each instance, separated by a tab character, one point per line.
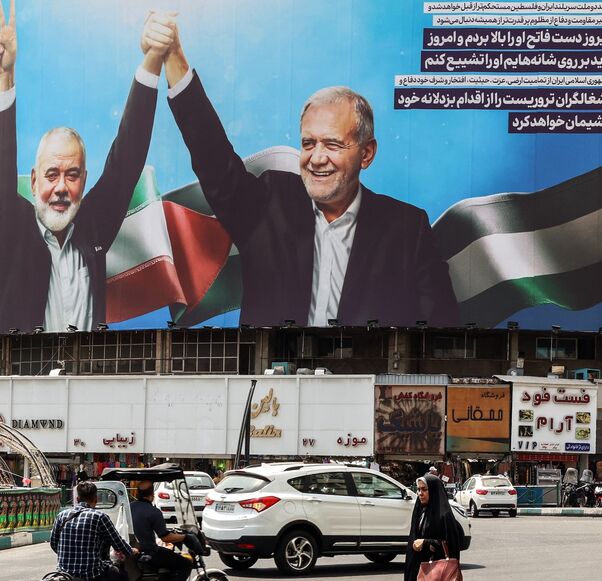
171	251
511	251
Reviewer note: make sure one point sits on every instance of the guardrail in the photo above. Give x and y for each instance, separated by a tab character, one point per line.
28	509
538	496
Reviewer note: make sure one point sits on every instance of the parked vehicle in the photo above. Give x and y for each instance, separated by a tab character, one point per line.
578	493
199	484
598	495
298	512
113	499
494	494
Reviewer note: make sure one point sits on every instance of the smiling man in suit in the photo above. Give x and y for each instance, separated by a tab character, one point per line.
319	245
54	274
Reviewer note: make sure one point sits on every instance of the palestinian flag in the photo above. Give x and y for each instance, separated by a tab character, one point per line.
507	252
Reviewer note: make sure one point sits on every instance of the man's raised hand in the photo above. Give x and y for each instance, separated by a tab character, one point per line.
159	33
8	40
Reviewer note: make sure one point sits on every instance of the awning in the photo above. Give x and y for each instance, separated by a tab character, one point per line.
546	457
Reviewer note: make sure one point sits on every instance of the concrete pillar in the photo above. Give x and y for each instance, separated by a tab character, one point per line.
263	350
26	468
399	352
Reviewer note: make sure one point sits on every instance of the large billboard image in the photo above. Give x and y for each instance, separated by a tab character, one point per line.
228	162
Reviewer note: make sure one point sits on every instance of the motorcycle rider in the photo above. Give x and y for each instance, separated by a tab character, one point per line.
80	536
148	521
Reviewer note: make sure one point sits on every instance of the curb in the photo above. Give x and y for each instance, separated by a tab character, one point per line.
560	511
24	538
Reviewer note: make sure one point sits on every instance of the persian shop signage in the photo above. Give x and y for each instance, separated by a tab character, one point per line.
478	418
267	405
554	419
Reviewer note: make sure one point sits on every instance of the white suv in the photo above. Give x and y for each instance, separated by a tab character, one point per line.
298	512
490	493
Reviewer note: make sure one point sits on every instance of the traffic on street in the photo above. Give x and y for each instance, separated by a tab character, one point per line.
502	549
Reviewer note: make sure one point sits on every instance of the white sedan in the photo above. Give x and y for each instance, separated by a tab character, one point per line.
199	484
490	493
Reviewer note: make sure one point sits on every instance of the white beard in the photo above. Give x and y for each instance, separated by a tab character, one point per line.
55	221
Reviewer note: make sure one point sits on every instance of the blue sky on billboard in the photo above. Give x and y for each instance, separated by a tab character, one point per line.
259	61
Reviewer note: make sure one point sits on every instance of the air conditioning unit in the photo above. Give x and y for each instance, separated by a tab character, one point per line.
307	346
585	373
284	368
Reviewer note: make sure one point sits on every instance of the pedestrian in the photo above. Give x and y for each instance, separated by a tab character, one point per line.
432	523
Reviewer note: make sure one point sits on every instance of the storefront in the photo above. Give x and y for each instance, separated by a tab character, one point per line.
409	424
130	421
553	426
478	428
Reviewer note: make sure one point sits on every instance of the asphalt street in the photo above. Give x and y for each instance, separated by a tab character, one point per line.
503	549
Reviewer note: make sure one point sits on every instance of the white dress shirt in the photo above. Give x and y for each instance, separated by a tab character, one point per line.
332	247
70	300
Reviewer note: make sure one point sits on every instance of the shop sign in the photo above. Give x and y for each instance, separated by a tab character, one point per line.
267	405
351	441
550	418
118	441
38	424
409	419
478	419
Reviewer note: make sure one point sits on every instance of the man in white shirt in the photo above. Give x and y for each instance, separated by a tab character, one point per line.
317	246
53	267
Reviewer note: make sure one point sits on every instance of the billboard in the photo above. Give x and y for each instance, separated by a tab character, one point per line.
409	420
481	202
478	418
554	416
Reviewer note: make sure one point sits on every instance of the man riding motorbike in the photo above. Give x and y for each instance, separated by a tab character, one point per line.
148	522
80	536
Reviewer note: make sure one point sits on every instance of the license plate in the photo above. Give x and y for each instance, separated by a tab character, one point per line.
197	498
498	492
224	507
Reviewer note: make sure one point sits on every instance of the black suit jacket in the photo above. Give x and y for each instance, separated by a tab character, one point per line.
395	273
25	261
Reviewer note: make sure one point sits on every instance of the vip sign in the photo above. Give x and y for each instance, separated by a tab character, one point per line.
554	418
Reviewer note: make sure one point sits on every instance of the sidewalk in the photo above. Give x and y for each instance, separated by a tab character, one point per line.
22	538
559	511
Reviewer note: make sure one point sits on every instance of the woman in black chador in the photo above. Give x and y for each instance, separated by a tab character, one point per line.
432	522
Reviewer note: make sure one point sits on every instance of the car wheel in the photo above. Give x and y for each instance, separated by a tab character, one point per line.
297	553
512	512
211	576
238	562
380	558
473	510
495	512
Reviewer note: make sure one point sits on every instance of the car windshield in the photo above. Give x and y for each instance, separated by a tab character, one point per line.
199	482
194	482
496	482
240	483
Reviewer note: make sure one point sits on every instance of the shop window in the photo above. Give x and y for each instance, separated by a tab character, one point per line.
335	347
454	347
40	354
114	352
551	348
207	351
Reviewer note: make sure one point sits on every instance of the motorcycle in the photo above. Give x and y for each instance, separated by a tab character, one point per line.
114	501
577	493
598	495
